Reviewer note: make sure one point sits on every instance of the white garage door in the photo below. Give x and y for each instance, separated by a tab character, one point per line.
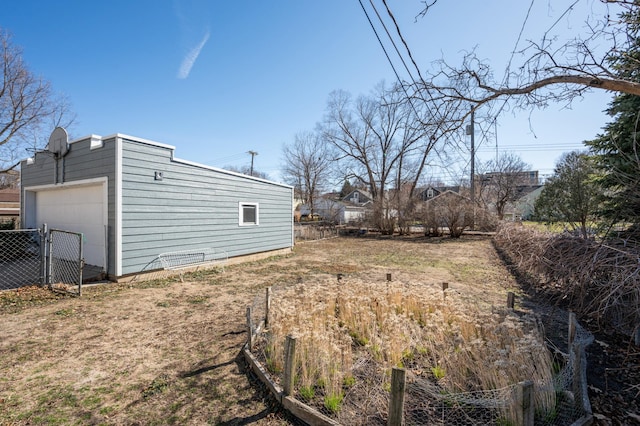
77	209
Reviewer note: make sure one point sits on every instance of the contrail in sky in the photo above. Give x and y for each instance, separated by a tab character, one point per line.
190	58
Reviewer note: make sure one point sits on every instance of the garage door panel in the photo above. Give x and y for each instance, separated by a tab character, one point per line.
76	209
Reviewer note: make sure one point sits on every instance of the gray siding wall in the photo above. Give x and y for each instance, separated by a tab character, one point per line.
80	163
194	207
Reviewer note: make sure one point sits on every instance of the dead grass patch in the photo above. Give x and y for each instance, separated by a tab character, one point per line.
166	352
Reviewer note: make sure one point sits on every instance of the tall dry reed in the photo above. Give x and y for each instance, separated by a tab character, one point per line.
459	346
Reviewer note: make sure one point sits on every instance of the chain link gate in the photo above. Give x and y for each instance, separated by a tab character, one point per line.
21	258
65	261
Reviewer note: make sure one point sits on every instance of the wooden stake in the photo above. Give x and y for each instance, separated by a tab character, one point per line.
249	329
289	364
572	330
396	401
267	307
510	300
524	403
577	376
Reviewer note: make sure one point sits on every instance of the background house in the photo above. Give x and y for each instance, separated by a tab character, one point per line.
10	205
358	197
336	211
524	205
523	178
133	200
429	192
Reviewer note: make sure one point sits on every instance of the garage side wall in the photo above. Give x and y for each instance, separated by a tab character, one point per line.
171	205
87	159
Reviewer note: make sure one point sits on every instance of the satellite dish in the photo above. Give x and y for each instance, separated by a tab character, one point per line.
59	141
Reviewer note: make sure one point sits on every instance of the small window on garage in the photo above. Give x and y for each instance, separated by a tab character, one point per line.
249	214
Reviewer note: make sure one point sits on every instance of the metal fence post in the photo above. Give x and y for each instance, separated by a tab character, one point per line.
49	259
44	255
80	262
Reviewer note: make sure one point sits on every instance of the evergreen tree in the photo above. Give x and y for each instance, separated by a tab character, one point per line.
347	188
617	150
570	195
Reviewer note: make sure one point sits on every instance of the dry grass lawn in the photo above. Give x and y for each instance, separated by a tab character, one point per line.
167	352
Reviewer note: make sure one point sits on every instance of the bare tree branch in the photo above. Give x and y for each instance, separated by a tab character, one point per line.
28	107
550	70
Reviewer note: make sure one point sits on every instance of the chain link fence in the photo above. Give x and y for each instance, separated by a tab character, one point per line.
39	257
21	258
65	260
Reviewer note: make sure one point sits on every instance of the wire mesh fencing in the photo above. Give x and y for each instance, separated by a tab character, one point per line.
348	376
65	260
21	258
311	231
41	257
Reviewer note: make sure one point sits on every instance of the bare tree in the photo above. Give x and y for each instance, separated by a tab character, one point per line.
246	170
500	186
548	71
449	210
307	166
9	179
29	109
381	141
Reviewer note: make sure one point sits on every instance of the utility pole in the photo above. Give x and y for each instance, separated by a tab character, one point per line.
471	131
253	154
495	124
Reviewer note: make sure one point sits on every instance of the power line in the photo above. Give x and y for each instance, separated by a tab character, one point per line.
380	42
406	46
393	43
228	158
515	47
386	54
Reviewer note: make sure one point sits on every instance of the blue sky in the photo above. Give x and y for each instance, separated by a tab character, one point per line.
217	79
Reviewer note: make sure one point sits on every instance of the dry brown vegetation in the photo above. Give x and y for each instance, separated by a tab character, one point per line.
598	279
358	328
167	352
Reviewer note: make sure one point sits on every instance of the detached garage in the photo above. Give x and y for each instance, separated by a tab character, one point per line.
132	201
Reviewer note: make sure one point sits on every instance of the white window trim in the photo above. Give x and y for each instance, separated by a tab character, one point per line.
240	214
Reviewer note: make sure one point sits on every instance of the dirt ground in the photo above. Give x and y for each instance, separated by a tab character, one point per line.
168	352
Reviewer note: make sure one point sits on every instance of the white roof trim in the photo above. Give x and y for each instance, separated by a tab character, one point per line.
229	172
95	138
